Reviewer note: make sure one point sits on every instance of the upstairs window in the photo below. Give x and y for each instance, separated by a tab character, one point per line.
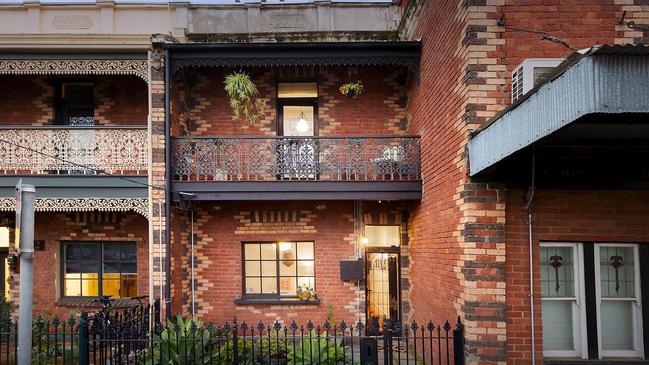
75	103
297	108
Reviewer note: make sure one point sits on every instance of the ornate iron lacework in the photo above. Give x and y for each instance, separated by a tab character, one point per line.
302	158
138	205
138	68
112	150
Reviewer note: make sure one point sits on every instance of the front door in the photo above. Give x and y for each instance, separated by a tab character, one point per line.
619	313
382	288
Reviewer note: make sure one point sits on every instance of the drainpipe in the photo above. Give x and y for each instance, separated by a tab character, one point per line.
167	185
528	206
191	218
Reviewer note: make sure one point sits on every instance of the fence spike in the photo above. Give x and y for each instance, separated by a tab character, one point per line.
447	326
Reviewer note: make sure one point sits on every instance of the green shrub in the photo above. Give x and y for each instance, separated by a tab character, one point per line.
322	350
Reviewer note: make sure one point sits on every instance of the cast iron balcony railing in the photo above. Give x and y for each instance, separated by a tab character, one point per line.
73	150
373	158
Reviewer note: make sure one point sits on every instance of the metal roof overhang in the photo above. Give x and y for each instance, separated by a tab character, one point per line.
79	186
400	53
605	79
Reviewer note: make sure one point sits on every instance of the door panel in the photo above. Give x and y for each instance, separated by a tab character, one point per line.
382	287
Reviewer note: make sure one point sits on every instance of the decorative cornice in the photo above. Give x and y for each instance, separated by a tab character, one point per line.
138	68
138	205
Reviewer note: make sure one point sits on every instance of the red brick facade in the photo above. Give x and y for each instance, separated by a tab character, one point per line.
53	229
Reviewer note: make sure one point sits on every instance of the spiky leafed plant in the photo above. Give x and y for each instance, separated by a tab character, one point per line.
244	98
184	342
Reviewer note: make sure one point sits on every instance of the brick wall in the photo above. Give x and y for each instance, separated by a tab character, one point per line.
220	229
54	228
201	107
568	216
119	100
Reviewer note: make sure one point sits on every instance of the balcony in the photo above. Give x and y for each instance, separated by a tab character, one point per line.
300	168
66	150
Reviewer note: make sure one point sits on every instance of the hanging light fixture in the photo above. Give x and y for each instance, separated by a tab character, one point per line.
302	125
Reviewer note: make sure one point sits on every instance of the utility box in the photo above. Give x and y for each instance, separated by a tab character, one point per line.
352	270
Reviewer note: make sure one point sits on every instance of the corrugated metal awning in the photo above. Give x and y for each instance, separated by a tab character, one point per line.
602	79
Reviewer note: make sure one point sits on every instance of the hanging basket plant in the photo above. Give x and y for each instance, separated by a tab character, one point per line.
245	102
352	89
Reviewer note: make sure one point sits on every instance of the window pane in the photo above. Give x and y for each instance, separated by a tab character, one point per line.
251	251
129	286
268	251
269	268
306	282
111	252
129	252
305	250
90	288
73	252
90	251
557	272
617	325
298	120
287	251
90	266
253	285
617	270
110	276
297	90
111	267
305	268
384	236
129	267
77	91
269	285
557	325
287	286
253	268
111	287
72	288
287	268
72	267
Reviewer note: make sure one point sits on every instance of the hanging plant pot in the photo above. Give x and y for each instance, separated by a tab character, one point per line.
245	102
352	89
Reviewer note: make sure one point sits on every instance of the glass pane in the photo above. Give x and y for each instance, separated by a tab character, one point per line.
72	267
253	268
287	251
73	252
128	287
288	286
111	252
268	251
110	276
77	91
129	267
305	250
557	325
306	282
383	236
129	252
305	268
251	251
617	325
269	285
111	287
90	251
90	266
269	268
297	90
72	288
298	120
111	267
253	285
287	268
557	271
617	271
90	288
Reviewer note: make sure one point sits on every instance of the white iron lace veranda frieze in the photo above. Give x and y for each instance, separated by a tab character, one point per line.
75	67
138	205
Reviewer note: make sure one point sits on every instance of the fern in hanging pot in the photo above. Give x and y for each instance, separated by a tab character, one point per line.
244	98
352	89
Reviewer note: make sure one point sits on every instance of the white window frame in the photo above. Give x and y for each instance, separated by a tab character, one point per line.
637	307
578	307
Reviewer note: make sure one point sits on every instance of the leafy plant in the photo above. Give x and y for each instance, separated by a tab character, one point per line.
352	89
244	98
320	350
182	343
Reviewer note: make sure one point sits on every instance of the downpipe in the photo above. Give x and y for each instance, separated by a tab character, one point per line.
528	207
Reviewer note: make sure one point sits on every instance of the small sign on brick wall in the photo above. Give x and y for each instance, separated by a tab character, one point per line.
352	270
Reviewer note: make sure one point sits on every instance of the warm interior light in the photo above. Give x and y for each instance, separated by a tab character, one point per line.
285	246
365	241
302	125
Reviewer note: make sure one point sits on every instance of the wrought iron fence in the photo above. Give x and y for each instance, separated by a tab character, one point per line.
73	150
296	158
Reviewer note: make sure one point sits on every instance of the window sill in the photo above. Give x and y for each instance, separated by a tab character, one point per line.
276	301
611	361
89	302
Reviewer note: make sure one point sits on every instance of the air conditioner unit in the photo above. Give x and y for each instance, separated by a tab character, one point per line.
530	73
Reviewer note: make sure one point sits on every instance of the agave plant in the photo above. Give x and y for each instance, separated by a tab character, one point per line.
244	98
320	350
184	342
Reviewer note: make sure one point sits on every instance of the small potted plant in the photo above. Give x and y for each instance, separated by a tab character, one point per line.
245	101
352	89
306	293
